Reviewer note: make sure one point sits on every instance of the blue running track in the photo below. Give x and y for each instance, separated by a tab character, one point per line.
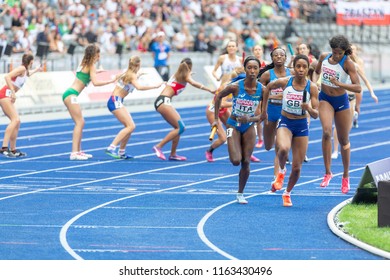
52	208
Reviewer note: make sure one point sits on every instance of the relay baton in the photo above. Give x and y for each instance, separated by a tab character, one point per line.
213	131
290	48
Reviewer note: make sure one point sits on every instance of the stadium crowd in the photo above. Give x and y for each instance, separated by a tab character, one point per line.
188	25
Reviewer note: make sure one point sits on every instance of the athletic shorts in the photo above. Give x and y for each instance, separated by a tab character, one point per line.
5	92
114	102
222	111
339	103
241	127
162	100
298	127
68	92
274	112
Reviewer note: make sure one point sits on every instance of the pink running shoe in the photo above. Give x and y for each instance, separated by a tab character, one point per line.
177	158
326	180
345	185
254	159
259	144
209	156
159	153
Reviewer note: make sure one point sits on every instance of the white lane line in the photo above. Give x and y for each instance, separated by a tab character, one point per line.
66	227
200	227
117	126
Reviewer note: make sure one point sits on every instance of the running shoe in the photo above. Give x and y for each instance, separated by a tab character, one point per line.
177	158
286	200
7	153
335	155
272	185
355	120
18	153
209	156
112	153
126	156
345	185
87	155
326	180
254	159
159	153
241	199
306	159
77	156
259	144
278	183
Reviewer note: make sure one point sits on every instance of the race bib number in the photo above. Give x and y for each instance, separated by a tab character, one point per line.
118	104
229	132
8	93
74	100
167	101
211	108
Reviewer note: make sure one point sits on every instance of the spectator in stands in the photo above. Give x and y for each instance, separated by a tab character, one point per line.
14	82
169	29
43	36
82	38
161	52
187	16
146	40
7	19
290	35
77	8
201	42
85	73
183	41
56	43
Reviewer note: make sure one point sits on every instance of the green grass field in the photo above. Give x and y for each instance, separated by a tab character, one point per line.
361	222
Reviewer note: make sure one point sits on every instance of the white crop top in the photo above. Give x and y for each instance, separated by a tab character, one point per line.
336	70
228	66
129	88
19	80
293	99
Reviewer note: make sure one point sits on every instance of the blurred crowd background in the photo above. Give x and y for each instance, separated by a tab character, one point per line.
188	25
65	27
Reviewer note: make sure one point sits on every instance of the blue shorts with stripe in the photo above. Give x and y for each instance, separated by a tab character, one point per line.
298	127
339	103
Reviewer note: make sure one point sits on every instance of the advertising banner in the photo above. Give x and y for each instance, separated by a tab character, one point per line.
363	12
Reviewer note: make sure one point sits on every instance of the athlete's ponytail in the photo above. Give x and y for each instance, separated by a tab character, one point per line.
265	69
